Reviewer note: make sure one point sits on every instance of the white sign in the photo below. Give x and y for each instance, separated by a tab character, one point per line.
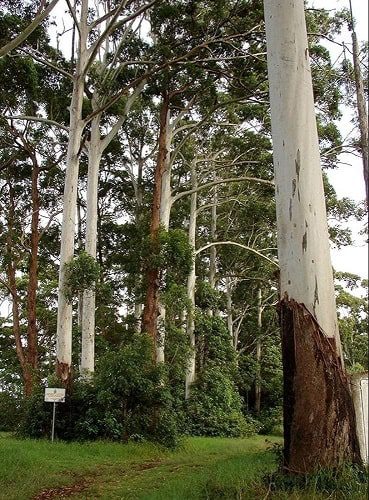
53	395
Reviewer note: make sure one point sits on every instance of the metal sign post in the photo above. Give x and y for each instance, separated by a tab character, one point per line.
53	424
54	395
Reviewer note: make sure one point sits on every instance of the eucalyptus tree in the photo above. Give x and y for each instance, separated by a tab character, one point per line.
317	409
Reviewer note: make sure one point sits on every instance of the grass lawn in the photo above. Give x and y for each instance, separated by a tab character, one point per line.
133	471
201	469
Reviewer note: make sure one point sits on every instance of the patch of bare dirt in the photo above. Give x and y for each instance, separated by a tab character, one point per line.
83	483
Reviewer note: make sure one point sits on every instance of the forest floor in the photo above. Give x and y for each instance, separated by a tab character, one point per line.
201	468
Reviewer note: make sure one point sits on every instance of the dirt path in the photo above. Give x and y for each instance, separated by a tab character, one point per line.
82	483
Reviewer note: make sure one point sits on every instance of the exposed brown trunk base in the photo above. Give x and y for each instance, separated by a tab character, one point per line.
64	374
319	416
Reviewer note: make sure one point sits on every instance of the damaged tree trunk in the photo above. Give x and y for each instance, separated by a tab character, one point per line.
319	418
319	423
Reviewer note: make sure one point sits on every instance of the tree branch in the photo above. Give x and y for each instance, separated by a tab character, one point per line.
220	181
27	31
73	14
234	243
47	63
114	130
39	119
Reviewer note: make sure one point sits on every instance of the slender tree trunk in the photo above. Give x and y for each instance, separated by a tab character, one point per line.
258	357
32	349
89	297
319	420
213	235
79	246
191	286
229	308
361	108
138	218
64	322
12	286
165	207
151	309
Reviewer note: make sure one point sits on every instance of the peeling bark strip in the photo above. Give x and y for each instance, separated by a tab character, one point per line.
319	418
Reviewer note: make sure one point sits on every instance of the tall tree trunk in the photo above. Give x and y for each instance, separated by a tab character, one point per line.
89	297
32	349
151	308
64	322
213	250
138	219
12	287
213	235
229	308
361	107
319	420
191	286
258	357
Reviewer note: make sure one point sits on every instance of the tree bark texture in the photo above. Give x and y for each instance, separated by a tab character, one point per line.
318	412
151	308
319	416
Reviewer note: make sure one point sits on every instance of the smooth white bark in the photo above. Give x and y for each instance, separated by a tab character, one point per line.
96	147
303	243
229	307
213	235
166	192
88	307
64	321
164	215
191	286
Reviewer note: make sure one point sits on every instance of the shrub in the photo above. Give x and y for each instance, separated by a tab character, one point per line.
82	272
128	398
10	412
214	408
270	420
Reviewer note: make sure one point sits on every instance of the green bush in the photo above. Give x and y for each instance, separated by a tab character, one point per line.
10	412
127	399
82	272
214	408
271	420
